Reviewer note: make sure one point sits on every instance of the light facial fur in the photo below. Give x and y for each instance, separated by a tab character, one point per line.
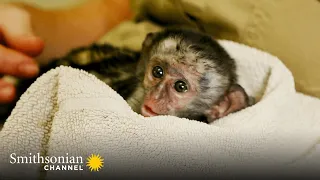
189	56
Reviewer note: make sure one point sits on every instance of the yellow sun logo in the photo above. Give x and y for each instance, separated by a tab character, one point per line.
95	162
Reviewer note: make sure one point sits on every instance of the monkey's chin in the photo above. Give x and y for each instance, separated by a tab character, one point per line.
147	111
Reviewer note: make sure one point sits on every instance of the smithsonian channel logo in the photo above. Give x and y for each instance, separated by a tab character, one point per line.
60	163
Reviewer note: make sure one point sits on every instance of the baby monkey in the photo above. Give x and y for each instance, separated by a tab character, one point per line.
188	74
179	72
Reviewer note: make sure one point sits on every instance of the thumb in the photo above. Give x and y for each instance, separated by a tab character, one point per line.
17	33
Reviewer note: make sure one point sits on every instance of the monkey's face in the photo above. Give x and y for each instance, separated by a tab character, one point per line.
169	88
186	74
172	72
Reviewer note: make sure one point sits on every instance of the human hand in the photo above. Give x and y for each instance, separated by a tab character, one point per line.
18	47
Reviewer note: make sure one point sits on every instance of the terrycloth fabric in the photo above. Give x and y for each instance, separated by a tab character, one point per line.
70	111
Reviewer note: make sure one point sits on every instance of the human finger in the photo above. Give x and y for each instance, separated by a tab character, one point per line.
17	64
7	92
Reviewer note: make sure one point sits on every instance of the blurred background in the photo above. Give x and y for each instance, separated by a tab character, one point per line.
49	3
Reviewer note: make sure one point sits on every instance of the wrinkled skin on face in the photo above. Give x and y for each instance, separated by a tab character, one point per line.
188	74
171	91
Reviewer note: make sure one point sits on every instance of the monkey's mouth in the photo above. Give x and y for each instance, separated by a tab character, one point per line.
146	111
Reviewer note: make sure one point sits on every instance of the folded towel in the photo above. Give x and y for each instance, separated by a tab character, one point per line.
70	111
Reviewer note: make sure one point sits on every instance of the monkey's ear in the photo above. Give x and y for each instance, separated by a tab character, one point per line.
148	40
234	100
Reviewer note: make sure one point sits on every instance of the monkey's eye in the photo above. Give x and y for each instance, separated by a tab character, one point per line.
157	72
181	86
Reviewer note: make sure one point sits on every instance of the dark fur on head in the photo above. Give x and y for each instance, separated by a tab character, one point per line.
216	69
200	43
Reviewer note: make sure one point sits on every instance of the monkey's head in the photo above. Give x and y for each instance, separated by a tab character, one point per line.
188	74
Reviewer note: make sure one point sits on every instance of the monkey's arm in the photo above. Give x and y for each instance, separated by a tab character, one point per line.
235	99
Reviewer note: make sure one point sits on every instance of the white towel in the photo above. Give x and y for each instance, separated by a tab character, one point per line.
70	111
